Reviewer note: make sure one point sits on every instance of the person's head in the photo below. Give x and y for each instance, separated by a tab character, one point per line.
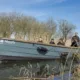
76	33
52	40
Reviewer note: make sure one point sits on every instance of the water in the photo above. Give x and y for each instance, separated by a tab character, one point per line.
31	68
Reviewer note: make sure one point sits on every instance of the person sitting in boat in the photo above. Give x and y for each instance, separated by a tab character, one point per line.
52	41
61	42
74	43
40	40
75	40
76	37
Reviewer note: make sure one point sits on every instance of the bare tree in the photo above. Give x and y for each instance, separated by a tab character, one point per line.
51	27
65	28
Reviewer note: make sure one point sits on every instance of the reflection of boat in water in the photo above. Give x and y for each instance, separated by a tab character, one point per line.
14	49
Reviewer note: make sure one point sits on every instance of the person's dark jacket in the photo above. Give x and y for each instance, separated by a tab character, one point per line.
74	44
59	43
76	37
75	41
52	42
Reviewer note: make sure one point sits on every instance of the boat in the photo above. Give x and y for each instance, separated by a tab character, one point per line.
11	49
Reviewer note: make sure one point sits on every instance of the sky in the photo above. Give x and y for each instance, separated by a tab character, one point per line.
44	9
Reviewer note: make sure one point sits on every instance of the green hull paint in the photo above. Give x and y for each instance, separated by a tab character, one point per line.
13	49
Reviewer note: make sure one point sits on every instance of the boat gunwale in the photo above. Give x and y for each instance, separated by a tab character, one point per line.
30	42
